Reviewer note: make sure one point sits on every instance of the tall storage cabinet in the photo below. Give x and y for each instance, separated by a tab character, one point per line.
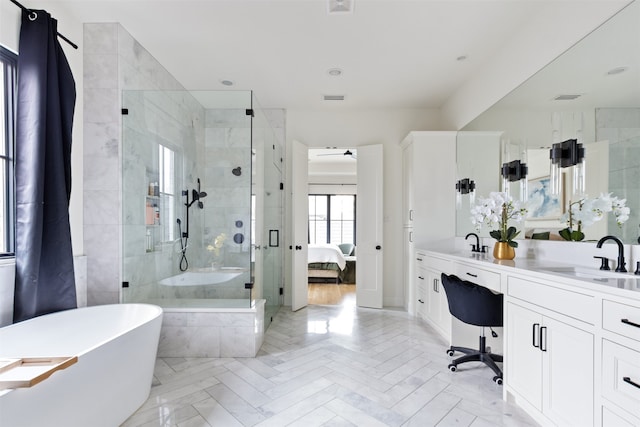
429	173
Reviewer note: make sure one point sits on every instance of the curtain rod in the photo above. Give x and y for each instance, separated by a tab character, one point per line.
75	46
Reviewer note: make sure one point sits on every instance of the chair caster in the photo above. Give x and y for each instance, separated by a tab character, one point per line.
497	380
453	368
450	353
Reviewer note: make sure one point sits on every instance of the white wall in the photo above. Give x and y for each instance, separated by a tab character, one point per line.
72	29
342	128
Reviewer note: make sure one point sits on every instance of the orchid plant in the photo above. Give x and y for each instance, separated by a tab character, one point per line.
585	212
496	211
218	242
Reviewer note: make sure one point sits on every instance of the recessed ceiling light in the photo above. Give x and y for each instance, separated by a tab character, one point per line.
617	70
461	58
335	72
227	82
333	97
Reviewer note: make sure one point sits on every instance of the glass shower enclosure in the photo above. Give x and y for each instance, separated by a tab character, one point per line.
202	204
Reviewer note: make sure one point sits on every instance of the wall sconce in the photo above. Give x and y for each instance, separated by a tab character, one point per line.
465	186
569	153
512	172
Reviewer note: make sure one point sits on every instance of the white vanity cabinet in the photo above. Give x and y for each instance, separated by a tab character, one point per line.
620	363
550	350
432	297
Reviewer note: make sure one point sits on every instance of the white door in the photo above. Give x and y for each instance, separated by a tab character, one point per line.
300	215
369	227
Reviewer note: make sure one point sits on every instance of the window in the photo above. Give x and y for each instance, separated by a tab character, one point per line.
332	218
166	164
8	77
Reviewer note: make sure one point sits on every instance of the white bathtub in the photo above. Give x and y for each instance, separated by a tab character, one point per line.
116	347
203	276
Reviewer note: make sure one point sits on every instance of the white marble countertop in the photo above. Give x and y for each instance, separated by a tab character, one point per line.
588	278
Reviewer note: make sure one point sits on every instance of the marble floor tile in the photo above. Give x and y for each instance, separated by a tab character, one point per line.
330	366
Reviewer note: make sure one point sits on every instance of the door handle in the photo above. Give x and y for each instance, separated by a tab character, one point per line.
536	327
543	329
378	247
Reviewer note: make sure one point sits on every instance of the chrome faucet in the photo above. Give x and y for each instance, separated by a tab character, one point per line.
476	247
620	268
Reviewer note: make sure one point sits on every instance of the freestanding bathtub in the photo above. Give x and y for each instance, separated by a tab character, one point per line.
116	347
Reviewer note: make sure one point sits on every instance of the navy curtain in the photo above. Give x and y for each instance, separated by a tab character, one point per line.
45	281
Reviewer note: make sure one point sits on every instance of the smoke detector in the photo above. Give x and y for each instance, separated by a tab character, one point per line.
339	6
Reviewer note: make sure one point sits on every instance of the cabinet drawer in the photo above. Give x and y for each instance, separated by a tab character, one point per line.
622	319
434	263
573	304
485	278
621	376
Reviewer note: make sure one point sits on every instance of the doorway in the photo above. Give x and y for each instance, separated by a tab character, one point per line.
369	226
332	193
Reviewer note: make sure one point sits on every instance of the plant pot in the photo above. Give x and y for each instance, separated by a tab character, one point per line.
502	250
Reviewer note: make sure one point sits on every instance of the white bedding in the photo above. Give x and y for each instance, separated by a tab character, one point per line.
326	253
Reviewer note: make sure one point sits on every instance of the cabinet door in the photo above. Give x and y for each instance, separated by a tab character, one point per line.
407	185
524	358
568	373
433	290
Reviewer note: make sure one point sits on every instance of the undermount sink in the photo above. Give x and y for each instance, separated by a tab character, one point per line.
602	277
583	272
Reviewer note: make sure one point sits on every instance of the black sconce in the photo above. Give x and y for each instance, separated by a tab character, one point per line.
465	186
563	155
514	171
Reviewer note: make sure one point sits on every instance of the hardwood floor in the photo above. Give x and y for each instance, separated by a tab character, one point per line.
331	294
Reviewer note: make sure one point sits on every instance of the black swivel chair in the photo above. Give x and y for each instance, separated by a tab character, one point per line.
475	305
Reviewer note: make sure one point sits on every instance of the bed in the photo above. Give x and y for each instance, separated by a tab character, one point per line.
325	262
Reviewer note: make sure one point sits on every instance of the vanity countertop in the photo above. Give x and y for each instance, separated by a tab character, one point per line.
621	284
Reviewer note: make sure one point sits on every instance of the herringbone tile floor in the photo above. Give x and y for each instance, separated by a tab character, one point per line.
330	366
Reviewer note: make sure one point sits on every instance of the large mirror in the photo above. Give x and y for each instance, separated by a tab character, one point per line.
590	93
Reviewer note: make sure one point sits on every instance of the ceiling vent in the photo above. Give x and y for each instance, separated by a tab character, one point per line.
567	97
339	6
333	97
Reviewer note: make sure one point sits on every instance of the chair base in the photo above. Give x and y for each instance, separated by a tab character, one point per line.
480	355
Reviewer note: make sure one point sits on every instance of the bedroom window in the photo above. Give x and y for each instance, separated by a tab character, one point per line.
8	77
332	218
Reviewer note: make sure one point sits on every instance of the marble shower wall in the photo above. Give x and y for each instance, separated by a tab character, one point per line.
621	127
113	62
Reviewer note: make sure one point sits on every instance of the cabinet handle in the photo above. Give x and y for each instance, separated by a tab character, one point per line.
411	214
420	277
543	329
536	327
628	380
420	301
435	285
411	237
419	259
472	275
628	322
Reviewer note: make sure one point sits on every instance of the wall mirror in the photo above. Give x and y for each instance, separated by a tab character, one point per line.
591	92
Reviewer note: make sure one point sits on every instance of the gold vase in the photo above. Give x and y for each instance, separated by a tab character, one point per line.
502	250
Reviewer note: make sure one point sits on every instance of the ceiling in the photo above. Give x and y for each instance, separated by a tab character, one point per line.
392	53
